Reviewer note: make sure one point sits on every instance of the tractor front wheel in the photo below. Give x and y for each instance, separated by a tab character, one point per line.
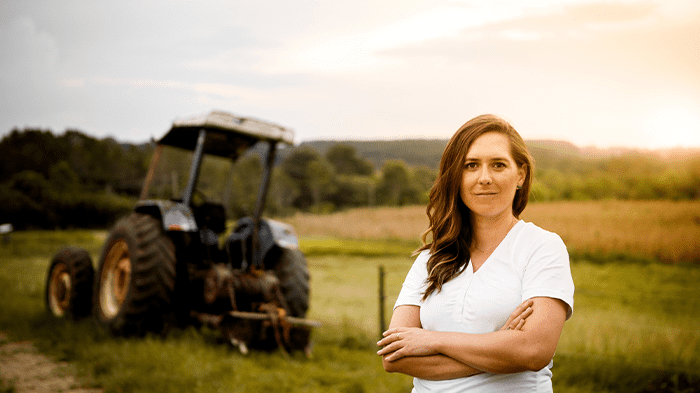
135	283
69	284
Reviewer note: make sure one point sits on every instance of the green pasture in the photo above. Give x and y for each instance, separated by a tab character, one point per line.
634	328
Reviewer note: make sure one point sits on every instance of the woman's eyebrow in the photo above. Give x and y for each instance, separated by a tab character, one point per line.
497	158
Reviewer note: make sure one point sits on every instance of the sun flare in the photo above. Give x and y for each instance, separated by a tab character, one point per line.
671	126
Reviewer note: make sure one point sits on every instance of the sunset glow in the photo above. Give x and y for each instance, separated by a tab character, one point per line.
588	72
671	126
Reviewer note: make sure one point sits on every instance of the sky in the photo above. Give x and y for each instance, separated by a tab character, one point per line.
593	73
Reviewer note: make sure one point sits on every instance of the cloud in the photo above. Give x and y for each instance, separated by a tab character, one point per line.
365	50
28	57
607	39
567	69
25	49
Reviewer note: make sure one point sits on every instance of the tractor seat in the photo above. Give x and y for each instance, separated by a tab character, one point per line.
211	216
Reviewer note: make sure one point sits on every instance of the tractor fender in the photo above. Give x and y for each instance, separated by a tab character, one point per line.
174	216
283	234
271	233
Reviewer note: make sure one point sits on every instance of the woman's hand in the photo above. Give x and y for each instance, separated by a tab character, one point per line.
517	318
401	341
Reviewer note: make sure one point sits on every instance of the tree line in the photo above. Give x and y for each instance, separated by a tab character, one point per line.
75	180
71	180
566	172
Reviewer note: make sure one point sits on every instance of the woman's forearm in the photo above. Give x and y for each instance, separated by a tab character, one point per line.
504	352
433	367
497	352
439	353
501	352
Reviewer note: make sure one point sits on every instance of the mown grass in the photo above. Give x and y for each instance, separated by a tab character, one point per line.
190	360
193	361
633	329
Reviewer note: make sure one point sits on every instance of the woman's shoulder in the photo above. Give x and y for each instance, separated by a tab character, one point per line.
419	269
422	258
533	234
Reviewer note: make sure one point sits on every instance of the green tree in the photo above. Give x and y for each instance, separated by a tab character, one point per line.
32	184
243	184
320	180
310	175
395	186
353	191
424	178
345	161
690	186
63	178
283	192
30	149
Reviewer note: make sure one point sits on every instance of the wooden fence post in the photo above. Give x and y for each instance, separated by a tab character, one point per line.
382	325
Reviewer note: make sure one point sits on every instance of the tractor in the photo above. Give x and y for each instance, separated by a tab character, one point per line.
172	262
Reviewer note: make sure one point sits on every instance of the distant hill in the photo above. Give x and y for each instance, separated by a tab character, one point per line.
547	153
414	152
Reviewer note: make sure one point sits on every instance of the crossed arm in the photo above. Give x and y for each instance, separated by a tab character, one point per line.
409	349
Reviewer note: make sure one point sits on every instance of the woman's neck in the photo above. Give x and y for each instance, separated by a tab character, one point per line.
489	232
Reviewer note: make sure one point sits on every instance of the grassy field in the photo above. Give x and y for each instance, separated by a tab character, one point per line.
633	329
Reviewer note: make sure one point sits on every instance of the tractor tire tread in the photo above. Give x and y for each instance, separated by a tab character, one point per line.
152	284
79	264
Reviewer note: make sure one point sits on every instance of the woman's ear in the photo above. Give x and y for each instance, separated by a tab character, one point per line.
522	172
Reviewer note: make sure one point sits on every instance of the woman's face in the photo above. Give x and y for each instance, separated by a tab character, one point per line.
490	177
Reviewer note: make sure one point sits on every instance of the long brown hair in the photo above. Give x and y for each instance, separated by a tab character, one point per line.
449	233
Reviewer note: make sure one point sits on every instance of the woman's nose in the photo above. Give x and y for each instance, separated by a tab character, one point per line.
484	176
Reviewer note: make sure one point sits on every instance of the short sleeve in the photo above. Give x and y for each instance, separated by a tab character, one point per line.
548	273
415	283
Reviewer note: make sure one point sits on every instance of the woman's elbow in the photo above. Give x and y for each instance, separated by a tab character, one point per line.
536	360
389	367
537	364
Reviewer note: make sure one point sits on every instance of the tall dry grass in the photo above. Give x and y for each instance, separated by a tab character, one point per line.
404	223
660	230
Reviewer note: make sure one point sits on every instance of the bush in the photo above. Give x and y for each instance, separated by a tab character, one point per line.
28	200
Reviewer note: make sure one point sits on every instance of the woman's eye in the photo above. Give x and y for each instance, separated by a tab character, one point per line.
471	165
499	165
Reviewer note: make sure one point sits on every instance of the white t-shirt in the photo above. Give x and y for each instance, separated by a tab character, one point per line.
529	262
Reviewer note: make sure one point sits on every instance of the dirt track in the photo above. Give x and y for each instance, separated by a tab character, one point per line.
23	368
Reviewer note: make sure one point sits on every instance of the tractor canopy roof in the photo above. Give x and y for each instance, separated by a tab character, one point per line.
227	135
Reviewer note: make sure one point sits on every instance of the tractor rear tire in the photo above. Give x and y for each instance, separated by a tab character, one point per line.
292	271
135	283
69	284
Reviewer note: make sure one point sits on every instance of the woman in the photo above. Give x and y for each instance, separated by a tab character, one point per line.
478	263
